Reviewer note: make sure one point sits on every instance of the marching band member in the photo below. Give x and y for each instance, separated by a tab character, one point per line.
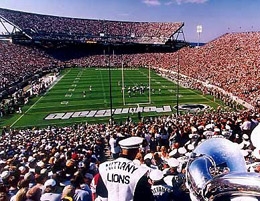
161	191
122	179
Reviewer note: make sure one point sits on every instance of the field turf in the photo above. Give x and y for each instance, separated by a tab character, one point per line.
67	95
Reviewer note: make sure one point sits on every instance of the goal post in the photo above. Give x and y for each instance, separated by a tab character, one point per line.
124	87
123	81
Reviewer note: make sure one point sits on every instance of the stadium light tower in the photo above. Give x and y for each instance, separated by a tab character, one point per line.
199	31
178	82
110	84
108	45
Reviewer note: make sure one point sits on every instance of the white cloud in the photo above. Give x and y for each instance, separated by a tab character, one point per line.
169	2
152	2
190	1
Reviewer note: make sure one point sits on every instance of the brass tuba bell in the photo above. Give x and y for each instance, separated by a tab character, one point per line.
216	171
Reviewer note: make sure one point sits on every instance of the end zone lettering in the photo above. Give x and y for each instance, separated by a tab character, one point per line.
105	113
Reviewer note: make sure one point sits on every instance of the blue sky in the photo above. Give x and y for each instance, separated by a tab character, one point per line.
217	17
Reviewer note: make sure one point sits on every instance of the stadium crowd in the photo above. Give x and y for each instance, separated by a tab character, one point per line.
21	97
229	63
19	62
49	27
233	55
60	162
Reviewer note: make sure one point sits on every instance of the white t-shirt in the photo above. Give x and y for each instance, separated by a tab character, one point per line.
114	146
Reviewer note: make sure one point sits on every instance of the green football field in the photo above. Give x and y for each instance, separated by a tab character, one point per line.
85	95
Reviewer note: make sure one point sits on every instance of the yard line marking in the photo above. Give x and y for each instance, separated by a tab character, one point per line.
68	95
194	92
26	111
204	97
103	88
54	83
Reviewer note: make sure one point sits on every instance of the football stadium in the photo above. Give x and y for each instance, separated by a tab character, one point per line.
79	93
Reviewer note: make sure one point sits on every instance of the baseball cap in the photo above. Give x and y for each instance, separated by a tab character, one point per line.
5	174
31	159
50	182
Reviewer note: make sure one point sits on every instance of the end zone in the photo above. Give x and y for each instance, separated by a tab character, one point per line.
107	113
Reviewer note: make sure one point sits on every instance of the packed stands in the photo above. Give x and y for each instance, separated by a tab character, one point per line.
20	62
230	62
66	153
64	28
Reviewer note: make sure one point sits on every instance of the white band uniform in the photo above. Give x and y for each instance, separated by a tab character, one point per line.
120	177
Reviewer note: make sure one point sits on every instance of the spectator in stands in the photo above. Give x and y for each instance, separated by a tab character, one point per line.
114	146
50	192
